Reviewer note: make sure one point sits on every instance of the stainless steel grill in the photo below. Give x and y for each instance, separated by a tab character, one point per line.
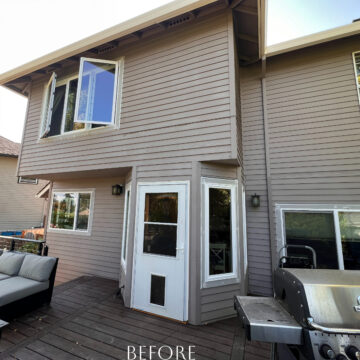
315	314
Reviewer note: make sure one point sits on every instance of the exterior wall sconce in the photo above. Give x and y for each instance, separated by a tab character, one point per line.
117	189
255	200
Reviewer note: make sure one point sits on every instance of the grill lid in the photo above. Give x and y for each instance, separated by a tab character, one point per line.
333	296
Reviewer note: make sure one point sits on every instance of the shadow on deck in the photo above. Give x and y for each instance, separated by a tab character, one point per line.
87	321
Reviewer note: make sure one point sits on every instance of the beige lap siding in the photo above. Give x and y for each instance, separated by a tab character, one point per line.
99	253
314	131
314	136
257	220
176	108
19	209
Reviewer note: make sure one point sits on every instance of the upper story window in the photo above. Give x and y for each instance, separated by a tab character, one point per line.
356	60
81	102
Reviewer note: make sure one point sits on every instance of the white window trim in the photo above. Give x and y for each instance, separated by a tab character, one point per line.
228	278
74	191
116	83
280	209
125	236
47	111
117	106
244	227
356	78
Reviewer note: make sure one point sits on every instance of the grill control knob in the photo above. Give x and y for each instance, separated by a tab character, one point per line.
352	352
327	352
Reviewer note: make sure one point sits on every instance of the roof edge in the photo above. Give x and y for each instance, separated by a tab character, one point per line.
313	39
162	13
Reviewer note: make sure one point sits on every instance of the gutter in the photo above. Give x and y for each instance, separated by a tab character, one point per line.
313	39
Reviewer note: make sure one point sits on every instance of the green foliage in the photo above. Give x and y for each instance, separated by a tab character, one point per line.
29	247
306	225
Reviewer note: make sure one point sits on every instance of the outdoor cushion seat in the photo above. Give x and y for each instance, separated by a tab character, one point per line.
36	267
17	287
3	276
10	263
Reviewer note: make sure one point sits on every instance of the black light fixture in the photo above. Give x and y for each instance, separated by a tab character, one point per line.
255	200
117	189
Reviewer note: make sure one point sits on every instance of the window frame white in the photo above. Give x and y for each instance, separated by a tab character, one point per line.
116	83
355	73
46	114
227	278
280	210
76	192
126	223
48	101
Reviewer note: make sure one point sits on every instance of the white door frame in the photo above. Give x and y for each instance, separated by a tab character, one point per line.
186	240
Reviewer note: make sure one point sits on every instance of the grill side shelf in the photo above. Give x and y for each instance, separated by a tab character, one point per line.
266	320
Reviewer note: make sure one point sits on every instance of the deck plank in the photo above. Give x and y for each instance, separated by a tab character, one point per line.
87	321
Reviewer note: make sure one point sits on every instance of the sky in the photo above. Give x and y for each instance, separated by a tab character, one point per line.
42	26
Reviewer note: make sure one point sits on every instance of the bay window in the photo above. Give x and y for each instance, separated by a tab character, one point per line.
220	235
71	211
333	232
81	102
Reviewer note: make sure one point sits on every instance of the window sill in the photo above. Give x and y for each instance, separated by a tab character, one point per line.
79	133
221	281
69	232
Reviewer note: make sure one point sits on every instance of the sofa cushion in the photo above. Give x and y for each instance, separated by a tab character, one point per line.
37	267
17	287
3	276
11	262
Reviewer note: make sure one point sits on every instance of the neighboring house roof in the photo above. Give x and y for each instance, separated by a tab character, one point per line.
156	16
313	39
9	148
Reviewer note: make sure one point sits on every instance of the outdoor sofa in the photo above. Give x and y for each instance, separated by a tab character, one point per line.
26	282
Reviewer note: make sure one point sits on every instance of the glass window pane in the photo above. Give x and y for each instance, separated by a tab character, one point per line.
350	239
161	207
126	220
160	239
63	211
220	242
70	108
97	92
157	292
316	230
57	111
83	212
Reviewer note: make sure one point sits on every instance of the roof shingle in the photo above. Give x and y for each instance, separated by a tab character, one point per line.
8	147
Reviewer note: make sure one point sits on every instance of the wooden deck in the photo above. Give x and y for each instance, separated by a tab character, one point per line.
86	320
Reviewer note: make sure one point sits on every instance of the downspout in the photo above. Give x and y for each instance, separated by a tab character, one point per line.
262	20
267	163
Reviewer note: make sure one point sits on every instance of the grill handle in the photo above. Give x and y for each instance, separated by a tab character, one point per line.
328	330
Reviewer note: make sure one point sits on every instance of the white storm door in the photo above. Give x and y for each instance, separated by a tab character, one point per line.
160	285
